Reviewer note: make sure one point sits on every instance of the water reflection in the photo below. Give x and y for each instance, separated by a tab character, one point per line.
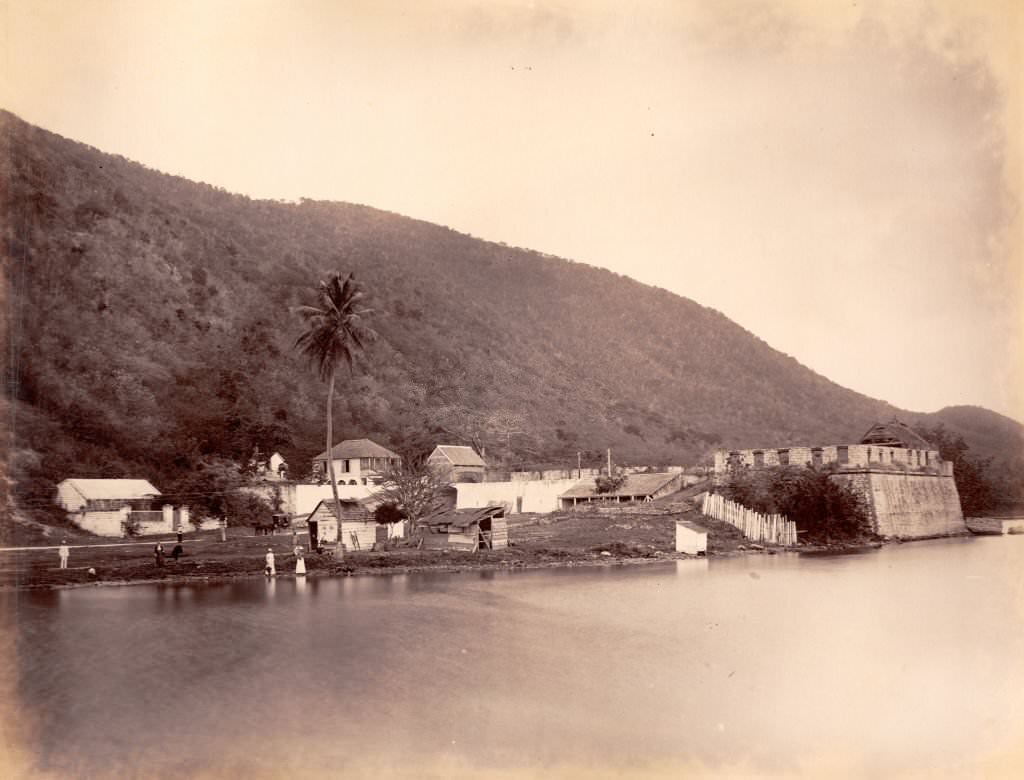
721	660
692	567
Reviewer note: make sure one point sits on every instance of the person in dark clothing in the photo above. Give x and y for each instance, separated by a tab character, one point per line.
181	538
177	552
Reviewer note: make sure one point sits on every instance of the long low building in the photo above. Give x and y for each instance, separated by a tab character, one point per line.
635	487
119	507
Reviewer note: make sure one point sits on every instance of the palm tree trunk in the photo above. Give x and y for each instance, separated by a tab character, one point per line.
339	549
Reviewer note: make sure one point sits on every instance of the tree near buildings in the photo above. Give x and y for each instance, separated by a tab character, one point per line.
973	476
414	487
337	332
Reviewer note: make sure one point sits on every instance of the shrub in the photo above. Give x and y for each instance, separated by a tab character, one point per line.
388	513
609	483
825	510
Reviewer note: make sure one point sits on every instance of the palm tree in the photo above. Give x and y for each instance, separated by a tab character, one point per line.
336	333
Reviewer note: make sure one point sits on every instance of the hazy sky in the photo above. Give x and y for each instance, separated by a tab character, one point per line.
842	179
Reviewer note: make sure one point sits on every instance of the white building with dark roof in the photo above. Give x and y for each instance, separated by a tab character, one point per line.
107	507
458	463
357	462
76	494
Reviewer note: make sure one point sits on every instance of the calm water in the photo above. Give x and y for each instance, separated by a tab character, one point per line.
908	657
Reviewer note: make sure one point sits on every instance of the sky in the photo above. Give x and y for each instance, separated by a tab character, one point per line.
842	179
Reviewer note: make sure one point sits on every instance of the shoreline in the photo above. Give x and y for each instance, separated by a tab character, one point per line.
460	567
349	568
355	564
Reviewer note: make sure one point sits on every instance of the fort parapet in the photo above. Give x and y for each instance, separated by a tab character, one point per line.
844	456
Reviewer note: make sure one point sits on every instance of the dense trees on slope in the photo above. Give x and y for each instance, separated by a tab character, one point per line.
150	335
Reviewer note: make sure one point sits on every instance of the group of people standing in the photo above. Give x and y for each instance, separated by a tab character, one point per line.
177	552
300	563
64	552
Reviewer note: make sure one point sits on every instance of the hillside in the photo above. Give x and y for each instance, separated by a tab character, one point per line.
150	331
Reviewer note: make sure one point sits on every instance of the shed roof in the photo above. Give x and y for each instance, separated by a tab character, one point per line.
460	455
369	503
635	485
98	489
357	448
895	434
463	518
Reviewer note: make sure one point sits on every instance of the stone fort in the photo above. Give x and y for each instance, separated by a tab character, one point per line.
907	488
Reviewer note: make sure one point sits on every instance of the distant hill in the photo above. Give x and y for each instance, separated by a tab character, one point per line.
150	328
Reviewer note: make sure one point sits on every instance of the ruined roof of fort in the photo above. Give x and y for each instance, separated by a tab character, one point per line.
895	434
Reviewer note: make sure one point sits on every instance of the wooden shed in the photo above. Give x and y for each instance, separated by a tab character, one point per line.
359	529
691	538
465	529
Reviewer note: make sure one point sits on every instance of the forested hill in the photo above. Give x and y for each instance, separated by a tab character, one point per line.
151	334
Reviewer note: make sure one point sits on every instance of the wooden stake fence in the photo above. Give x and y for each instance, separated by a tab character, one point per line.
773	529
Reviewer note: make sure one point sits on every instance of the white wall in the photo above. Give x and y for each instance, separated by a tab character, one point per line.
102	523
538	495
308	496
69	497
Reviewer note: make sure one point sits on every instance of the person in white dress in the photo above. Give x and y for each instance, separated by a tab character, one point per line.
271	571
300	563
63	552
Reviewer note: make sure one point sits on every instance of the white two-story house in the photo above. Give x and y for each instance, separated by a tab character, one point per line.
356	462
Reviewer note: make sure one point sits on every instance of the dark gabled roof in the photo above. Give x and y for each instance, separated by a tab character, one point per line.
635	485
896	434
357	448
369	503
460	455
463	518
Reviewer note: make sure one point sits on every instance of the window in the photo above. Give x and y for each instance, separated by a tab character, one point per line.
783	457
843	454
758	459
816	456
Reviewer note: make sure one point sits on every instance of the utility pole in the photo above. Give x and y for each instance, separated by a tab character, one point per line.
579	465
609	461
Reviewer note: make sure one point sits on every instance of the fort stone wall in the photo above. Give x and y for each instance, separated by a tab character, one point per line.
908	505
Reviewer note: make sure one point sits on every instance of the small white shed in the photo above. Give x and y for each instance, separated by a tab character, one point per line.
691	538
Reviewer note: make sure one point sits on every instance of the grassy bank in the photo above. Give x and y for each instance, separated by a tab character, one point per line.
535	541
